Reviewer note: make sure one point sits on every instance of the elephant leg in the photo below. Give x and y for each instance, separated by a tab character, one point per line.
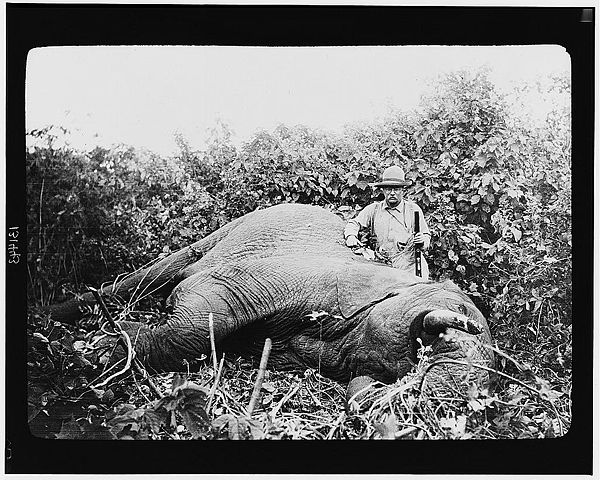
184	338
186	335
171	347
162	276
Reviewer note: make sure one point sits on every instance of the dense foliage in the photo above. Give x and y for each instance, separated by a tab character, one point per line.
494	187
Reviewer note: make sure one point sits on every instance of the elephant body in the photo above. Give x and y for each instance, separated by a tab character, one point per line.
285	273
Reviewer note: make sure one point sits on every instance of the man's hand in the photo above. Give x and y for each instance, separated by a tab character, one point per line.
352	241
419	240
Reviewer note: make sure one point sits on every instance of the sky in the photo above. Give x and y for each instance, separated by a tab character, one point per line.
143	96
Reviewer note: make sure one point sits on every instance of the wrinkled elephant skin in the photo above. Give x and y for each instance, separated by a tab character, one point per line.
268	272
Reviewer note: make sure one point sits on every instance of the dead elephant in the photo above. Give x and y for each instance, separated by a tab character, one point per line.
284	273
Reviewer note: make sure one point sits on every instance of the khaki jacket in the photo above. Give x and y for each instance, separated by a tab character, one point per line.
393	228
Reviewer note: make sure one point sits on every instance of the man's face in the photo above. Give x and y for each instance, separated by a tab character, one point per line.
393	195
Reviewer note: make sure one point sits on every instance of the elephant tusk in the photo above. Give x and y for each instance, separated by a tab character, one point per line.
437	321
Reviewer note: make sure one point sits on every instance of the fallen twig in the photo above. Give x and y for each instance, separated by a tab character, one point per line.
215	384
103	307
129	350
558	419
404	432
104	372
317	402
335	426
354	398
137	385
497	351
125	342
261	375
469	364
385	398
213	348
286	397
137	365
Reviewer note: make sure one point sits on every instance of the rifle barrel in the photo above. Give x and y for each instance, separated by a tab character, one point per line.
417	249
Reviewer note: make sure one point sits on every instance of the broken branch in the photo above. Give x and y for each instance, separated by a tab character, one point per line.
261	375
125	342
213	348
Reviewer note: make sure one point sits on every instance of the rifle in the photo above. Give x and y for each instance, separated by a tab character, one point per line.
417	249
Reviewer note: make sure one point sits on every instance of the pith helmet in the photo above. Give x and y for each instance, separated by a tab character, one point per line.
392	177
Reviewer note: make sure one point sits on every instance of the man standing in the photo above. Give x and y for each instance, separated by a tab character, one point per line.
392	222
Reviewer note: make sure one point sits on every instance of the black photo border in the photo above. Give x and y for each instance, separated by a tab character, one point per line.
30	26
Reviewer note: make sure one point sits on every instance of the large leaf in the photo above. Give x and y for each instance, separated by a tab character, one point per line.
196	420
388	428
70	430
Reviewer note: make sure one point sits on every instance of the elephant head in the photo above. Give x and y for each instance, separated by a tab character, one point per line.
399	317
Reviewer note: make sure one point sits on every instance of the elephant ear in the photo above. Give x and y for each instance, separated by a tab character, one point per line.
362	286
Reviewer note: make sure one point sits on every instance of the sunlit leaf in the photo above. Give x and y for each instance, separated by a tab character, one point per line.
388	428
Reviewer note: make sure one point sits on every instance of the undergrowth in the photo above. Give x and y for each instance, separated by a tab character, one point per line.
523	402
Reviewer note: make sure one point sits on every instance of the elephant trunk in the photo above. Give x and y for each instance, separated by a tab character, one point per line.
458	360
459	356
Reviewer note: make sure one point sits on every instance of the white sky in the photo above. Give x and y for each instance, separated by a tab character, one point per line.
141	96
